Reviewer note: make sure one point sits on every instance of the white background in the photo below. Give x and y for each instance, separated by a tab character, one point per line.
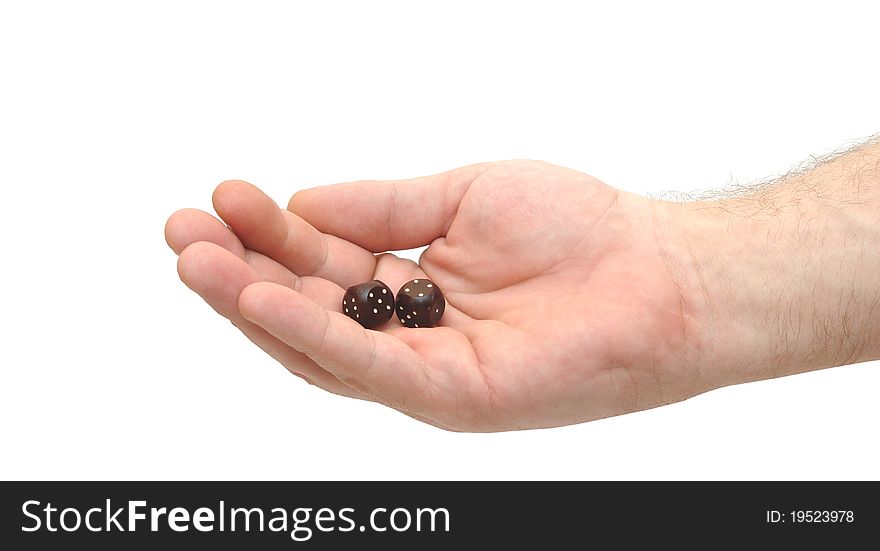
113	115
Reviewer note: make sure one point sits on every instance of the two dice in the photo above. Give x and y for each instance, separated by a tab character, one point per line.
419	303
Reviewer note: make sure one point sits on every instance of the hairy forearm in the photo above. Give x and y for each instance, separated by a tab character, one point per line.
784	278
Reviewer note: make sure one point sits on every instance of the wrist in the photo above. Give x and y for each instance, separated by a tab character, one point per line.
780	282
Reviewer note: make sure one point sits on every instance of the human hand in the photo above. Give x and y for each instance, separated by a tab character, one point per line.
560	308
567	300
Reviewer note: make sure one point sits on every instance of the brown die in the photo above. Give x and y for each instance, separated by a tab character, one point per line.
370	303
420	303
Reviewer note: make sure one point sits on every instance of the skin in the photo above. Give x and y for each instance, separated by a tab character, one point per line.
567	300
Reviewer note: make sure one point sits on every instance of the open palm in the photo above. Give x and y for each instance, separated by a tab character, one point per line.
560	308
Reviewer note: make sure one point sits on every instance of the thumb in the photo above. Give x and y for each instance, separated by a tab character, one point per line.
387	215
